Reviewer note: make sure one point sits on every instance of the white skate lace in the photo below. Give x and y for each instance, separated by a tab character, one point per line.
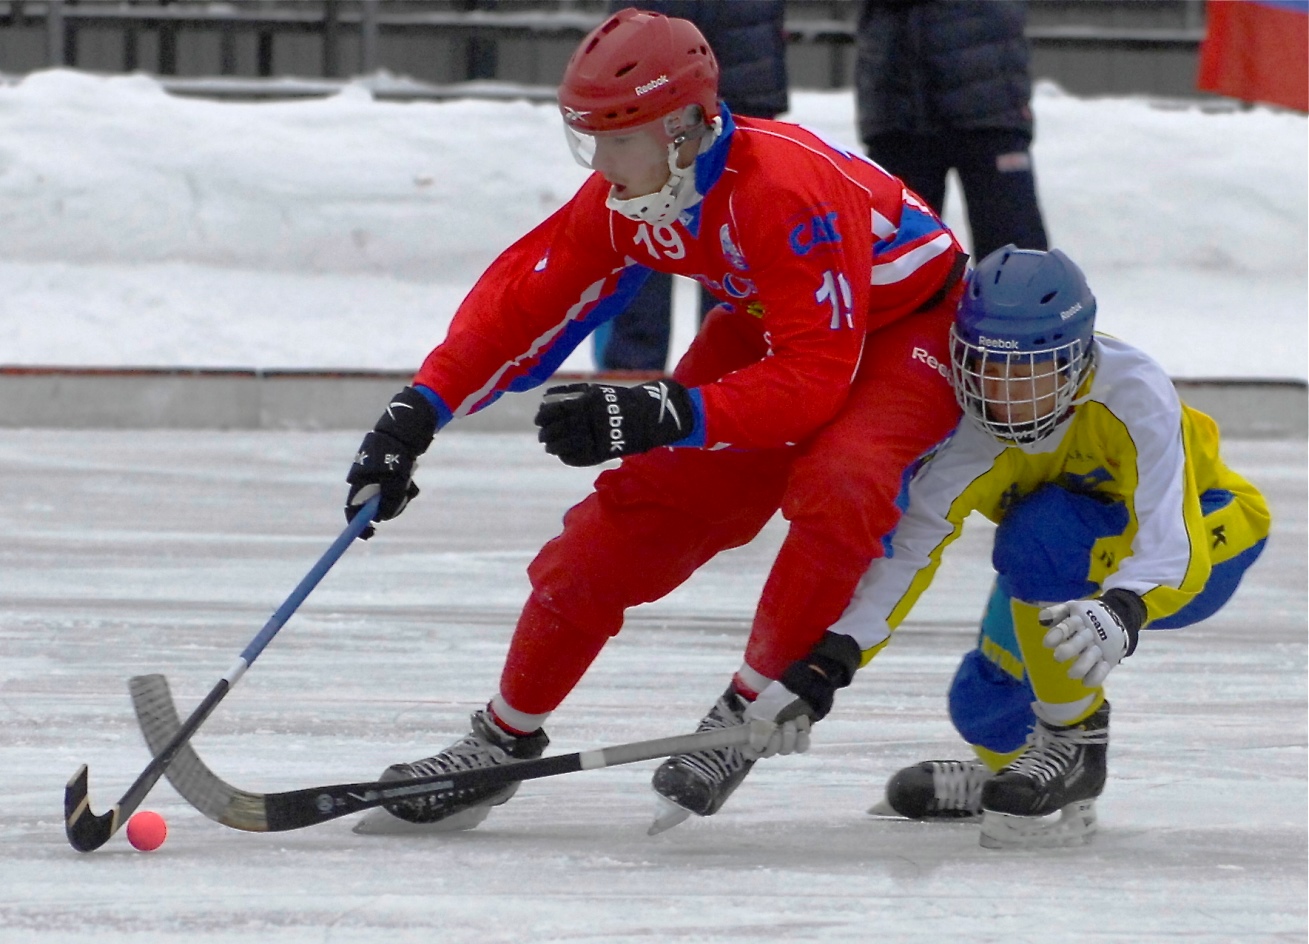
957	784
1051	752
717	765
468	753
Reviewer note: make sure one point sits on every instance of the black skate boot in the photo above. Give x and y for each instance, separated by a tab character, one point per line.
1063	769
487	745
936	789
701	782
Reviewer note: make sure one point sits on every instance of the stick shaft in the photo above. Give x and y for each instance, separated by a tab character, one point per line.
357	524
299	808
296	809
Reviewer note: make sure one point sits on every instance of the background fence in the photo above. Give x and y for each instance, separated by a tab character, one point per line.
1090	47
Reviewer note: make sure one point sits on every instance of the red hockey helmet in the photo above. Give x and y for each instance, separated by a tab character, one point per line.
636	67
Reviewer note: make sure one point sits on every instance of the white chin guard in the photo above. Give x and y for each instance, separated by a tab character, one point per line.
663	207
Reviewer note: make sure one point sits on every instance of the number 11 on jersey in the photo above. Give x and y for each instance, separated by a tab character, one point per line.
835	290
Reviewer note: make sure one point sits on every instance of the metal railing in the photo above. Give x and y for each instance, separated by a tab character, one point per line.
350	34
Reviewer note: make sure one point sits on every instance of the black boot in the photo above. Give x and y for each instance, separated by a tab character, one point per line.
938	789
487	745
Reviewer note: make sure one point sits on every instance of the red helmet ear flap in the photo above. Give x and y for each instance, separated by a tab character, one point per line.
636	67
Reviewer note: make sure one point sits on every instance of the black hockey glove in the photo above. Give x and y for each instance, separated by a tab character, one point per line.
386	457
780	718
587	423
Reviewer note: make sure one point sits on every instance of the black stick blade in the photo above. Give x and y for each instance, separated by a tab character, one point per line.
85	830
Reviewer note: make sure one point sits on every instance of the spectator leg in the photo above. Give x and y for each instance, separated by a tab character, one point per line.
995	169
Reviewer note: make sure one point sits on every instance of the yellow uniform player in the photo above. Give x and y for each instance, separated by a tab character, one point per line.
1114	512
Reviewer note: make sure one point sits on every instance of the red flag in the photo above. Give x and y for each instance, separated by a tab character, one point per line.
1257	51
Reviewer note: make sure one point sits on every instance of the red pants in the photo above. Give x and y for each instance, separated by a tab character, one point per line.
651	522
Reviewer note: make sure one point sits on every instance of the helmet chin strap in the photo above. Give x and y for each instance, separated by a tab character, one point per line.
678	193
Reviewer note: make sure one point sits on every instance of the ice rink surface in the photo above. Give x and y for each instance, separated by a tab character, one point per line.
134	552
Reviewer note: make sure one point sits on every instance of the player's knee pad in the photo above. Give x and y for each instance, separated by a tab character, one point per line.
988	706
1044	542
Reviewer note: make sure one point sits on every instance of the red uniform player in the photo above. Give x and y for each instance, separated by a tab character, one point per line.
814	388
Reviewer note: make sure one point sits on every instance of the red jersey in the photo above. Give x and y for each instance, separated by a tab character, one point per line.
821	246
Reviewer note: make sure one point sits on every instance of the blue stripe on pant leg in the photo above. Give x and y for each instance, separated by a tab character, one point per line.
989	707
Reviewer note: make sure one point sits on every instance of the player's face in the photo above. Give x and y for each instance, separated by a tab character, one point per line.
1020	392
634	162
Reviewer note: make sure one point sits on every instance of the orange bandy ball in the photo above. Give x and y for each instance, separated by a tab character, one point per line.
146	831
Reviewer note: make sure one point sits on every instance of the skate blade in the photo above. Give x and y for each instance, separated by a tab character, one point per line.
883	810
1074	825
667	815
379	822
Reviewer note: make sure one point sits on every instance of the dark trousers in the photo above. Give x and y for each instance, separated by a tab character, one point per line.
638	338
995	171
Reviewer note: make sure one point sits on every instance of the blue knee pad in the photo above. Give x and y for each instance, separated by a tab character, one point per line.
1043	544
990	707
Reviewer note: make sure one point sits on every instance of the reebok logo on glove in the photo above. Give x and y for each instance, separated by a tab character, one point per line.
585	424
616	441
659	391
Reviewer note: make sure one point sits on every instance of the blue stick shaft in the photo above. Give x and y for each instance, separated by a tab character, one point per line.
362	519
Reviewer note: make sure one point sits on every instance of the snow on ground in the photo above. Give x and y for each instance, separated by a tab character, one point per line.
166	551
147	230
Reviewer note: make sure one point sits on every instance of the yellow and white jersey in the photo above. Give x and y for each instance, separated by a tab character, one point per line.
1130	439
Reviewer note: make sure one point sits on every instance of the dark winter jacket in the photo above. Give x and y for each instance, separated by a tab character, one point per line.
746	37
934	65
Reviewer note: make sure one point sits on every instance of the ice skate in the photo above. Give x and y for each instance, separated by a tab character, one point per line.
1046	798
935	790
667	815
701	782
485	746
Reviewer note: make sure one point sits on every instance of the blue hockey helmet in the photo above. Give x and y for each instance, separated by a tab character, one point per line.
1021	343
